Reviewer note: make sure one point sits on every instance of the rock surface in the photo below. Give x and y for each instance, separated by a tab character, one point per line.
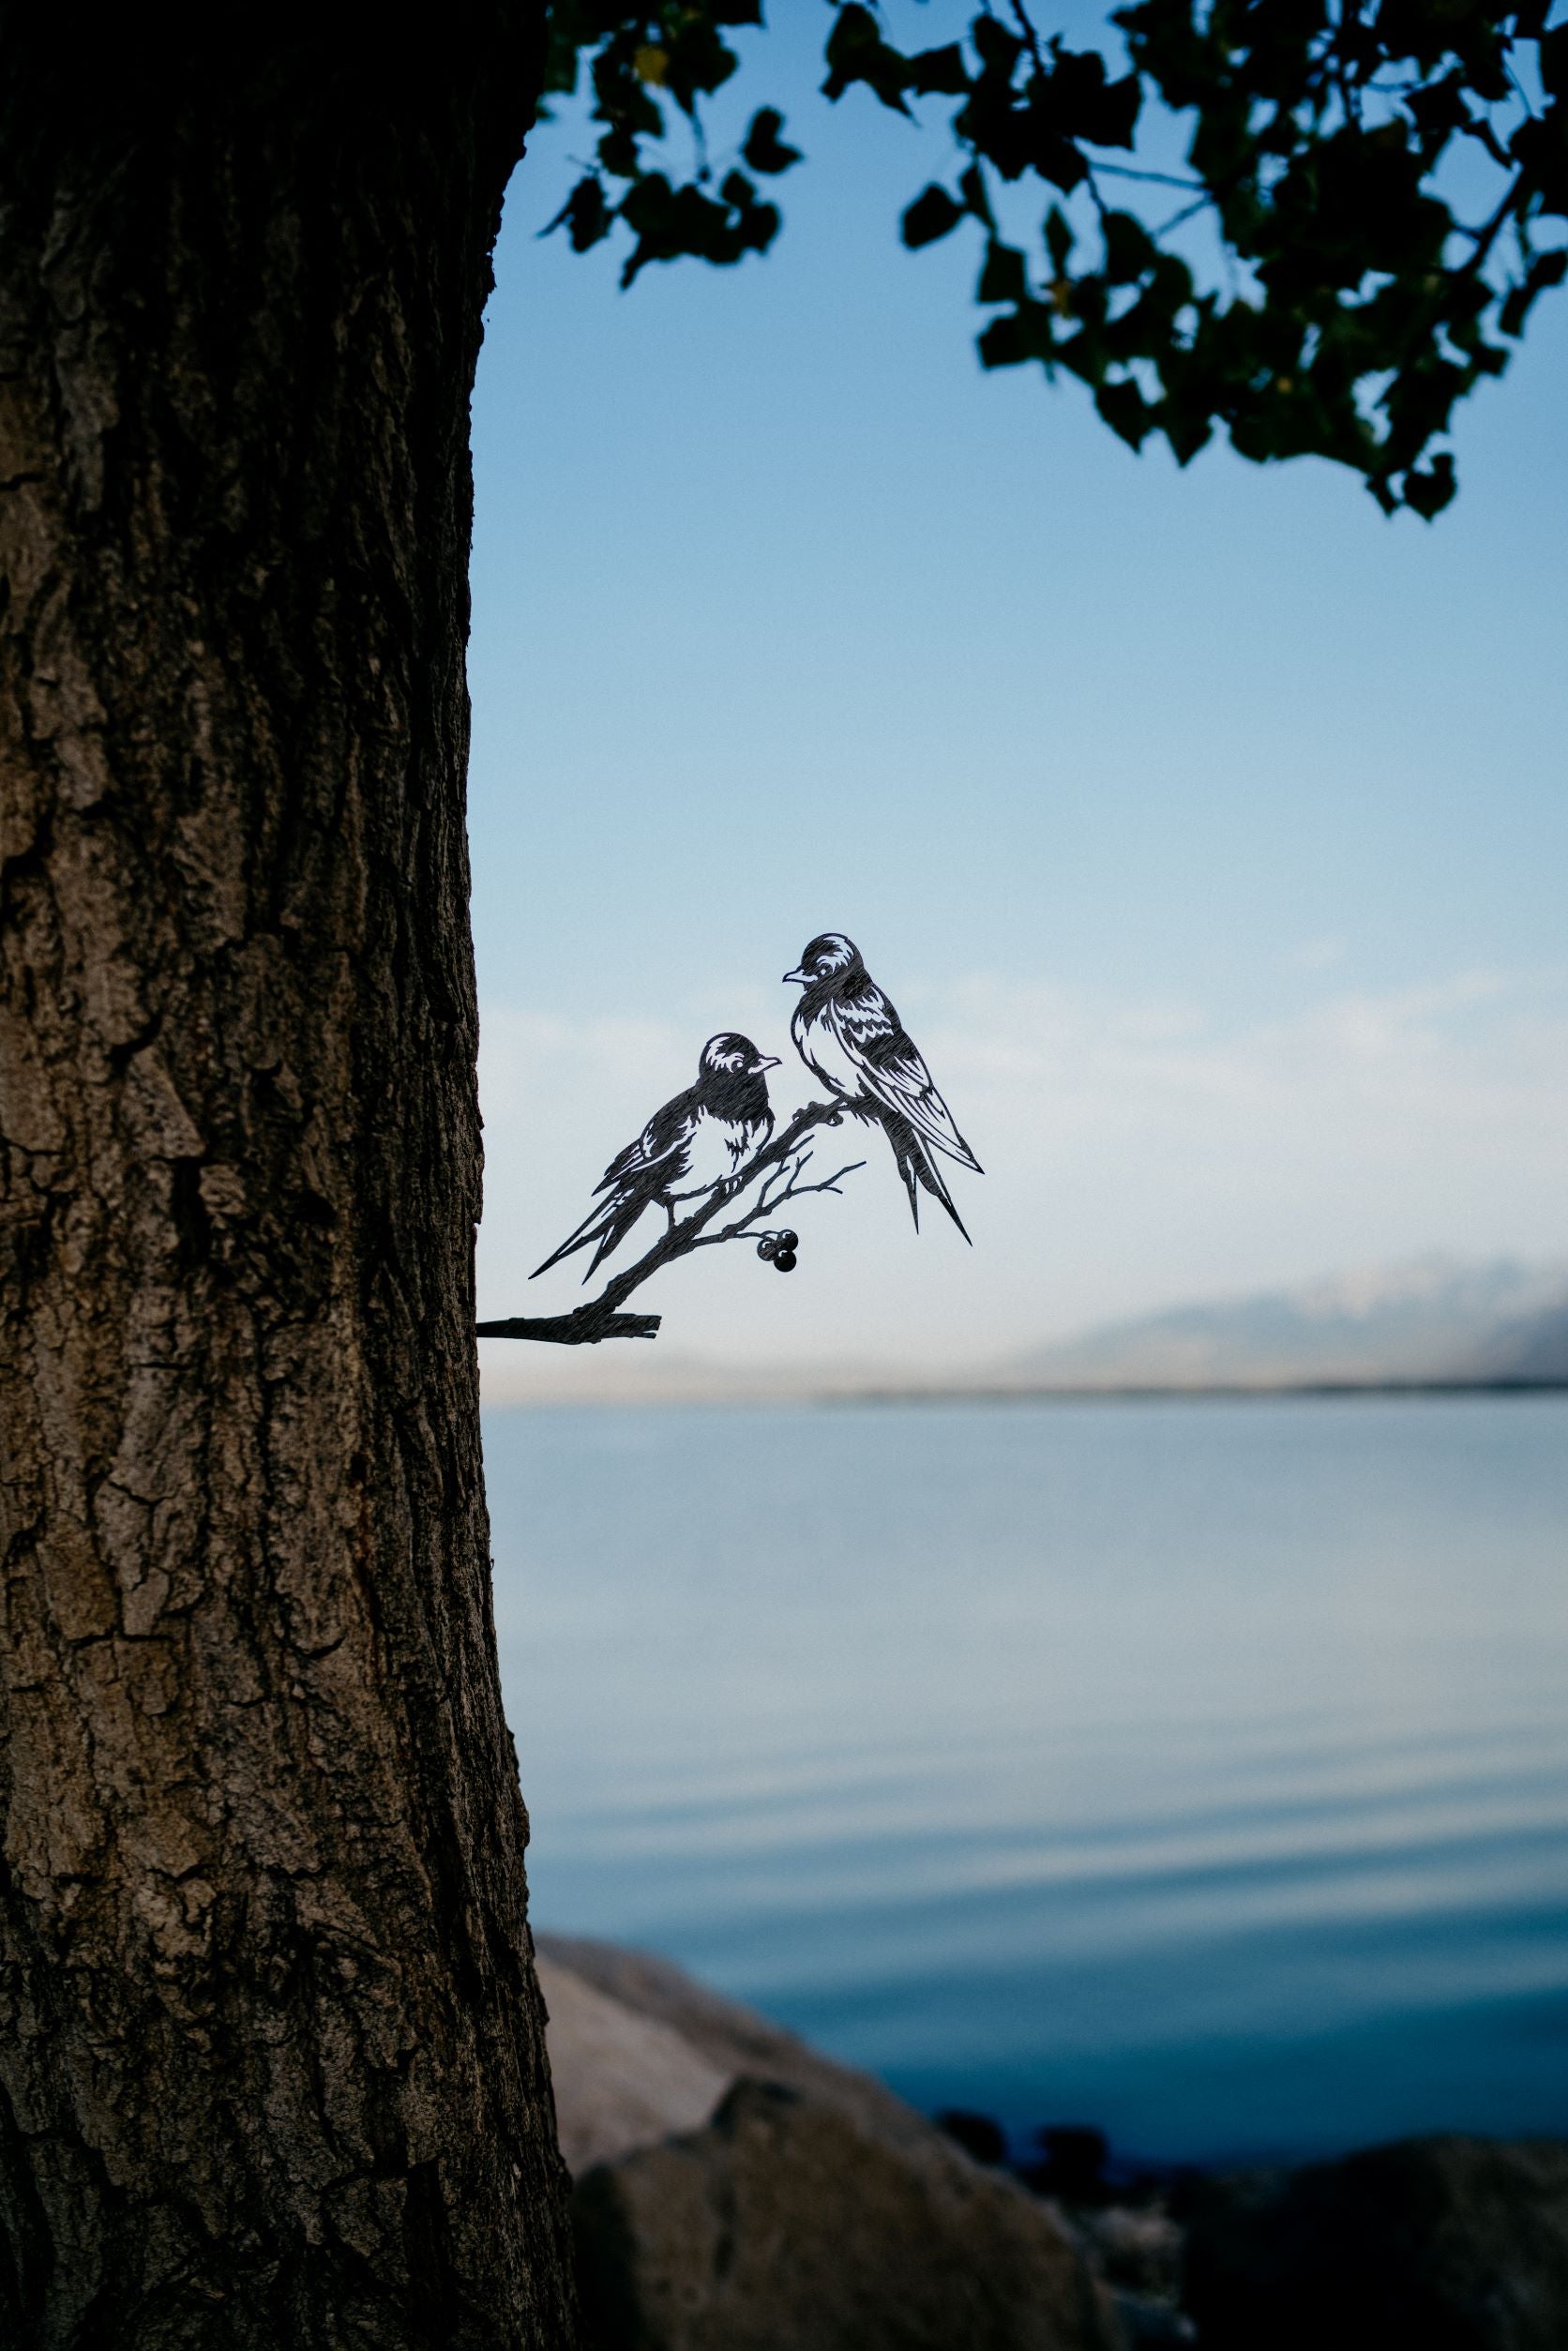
815	2211
785	2226
1451	2244
728	2038
737	2192
622	2080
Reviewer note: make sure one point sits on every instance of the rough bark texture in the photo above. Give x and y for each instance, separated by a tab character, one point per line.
272	2070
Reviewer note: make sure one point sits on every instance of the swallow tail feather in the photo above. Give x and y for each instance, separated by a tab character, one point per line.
608	1225
918	1169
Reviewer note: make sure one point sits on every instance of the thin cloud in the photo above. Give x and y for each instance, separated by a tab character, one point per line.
1317	955
1139	1154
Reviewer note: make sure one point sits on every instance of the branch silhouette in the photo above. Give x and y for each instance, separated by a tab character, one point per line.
778	1167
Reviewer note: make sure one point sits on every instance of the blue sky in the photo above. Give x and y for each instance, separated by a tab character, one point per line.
1212	826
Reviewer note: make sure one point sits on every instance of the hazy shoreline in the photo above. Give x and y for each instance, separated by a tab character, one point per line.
1433	1327
1146	1391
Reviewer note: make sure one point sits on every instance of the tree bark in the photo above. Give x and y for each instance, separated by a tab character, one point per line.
272	2070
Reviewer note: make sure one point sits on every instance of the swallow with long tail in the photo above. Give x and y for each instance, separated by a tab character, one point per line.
696	1143
849	1034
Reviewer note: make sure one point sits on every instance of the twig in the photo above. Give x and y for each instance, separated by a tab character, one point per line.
1156	179
600	1319
772	1202
1177	218
1025	23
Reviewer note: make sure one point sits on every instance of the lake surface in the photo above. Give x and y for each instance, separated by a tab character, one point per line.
1199	1768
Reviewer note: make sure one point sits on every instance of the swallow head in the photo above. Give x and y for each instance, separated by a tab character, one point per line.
729	1055
828	957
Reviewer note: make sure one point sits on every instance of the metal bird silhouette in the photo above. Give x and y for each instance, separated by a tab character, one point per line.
694	1142
850	1036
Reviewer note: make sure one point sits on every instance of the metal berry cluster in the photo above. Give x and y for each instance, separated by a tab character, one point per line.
1328	226
778	1250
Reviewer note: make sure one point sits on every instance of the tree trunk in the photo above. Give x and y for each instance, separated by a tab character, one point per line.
272	2070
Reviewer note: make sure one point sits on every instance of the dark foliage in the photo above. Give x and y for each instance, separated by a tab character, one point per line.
1072	2165
979	2135
1362	213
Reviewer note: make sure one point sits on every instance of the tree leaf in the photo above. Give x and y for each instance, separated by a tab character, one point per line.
933	214
1003	276
763	148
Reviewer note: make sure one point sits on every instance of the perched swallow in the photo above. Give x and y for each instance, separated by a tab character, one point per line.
850	1036
694	1142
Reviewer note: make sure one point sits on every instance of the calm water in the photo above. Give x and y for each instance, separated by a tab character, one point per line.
1195	1769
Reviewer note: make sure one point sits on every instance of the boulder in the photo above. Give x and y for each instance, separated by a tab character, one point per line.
727	2037
1451	2244
789	2225
1137	2248
621	2079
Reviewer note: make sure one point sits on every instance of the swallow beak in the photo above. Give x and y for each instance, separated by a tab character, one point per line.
796	975
767	1061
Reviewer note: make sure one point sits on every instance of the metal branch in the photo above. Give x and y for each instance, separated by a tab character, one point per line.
570	1330
601	1319
793	1190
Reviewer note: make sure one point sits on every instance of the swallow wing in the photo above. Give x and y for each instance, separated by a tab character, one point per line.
892	1069
659	1153
652	1165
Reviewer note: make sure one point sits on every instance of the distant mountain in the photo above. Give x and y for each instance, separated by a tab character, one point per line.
1436	1319
1534	1349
